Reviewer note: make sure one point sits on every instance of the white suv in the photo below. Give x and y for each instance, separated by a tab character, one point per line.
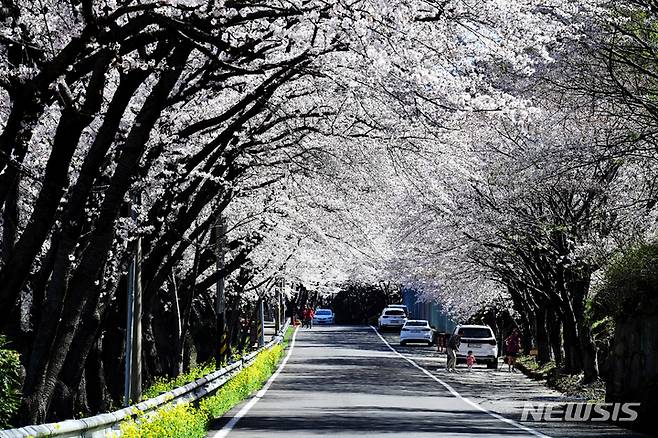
481	341
399	306
392	318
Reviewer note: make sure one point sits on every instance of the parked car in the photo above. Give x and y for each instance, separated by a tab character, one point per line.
323	316
392	318
399	306
481	341
416	330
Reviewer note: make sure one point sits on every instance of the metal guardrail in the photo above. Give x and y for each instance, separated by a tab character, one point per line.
104	425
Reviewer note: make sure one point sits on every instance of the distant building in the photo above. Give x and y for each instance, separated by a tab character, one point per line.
432	312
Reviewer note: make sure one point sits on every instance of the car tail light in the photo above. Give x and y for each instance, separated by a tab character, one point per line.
426	330
405	329
492	342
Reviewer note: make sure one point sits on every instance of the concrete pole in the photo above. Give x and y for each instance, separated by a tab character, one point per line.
136	385
277	310
130	312
282	301
261	323
221	348
133	364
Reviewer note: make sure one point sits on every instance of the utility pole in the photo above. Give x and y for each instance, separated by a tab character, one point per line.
277	309
293	305
282	301
133	365
222	341
261	322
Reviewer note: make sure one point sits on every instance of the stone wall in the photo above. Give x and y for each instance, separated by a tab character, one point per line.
633	372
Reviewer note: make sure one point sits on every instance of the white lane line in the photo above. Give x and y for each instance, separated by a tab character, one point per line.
224	431
458	395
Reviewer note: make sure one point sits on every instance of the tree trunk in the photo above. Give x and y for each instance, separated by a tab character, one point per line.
555	336
588	348
69	129
541	332
37	396
9	222
572	354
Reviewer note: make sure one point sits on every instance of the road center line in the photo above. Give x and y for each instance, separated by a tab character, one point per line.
458	395
228	427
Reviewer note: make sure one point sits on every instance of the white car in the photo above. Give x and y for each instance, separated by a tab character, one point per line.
399	306
392	318
323	316
416	330
481	341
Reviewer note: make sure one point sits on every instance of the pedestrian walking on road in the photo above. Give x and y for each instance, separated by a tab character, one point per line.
452	349
311	315
470	360
305	321
512	348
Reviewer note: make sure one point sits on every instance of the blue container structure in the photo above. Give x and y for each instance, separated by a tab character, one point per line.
433	312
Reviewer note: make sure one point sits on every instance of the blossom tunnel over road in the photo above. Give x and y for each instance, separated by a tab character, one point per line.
172	171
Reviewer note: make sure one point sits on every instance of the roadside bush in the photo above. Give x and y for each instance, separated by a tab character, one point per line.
630	283
243	384
10	383
186	421
164	384
178	421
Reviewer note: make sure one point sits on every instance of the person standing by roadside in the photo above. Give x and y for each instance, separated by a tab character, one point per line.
470	360
305	317
512	348
441	341
452	349
311	315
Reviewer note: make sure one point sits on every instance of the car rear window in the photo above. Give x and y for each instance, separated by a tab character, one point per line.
394	313
475	332
417	323
323	312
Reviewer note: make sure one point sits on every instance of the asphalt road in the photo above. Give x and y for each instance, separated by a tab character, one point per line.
347	382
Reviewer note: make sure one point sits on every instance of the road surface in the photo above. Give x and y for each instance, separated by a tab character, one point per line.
350	381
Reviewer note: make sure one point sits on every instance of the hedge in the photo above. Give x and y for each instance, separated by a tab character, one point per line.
630	283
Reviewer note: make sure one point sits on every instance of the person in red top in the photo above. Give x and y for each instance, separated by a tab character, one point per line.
512	348
470	360
305	314
311	315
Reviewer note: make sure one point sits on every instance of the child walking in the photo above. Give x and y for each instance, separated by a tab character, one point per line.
470	360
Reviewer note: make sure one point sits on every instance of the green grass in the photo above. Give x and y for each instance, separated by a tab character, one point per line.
180	421
187	421
243	384
531	364
565	383
287	336
165	384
